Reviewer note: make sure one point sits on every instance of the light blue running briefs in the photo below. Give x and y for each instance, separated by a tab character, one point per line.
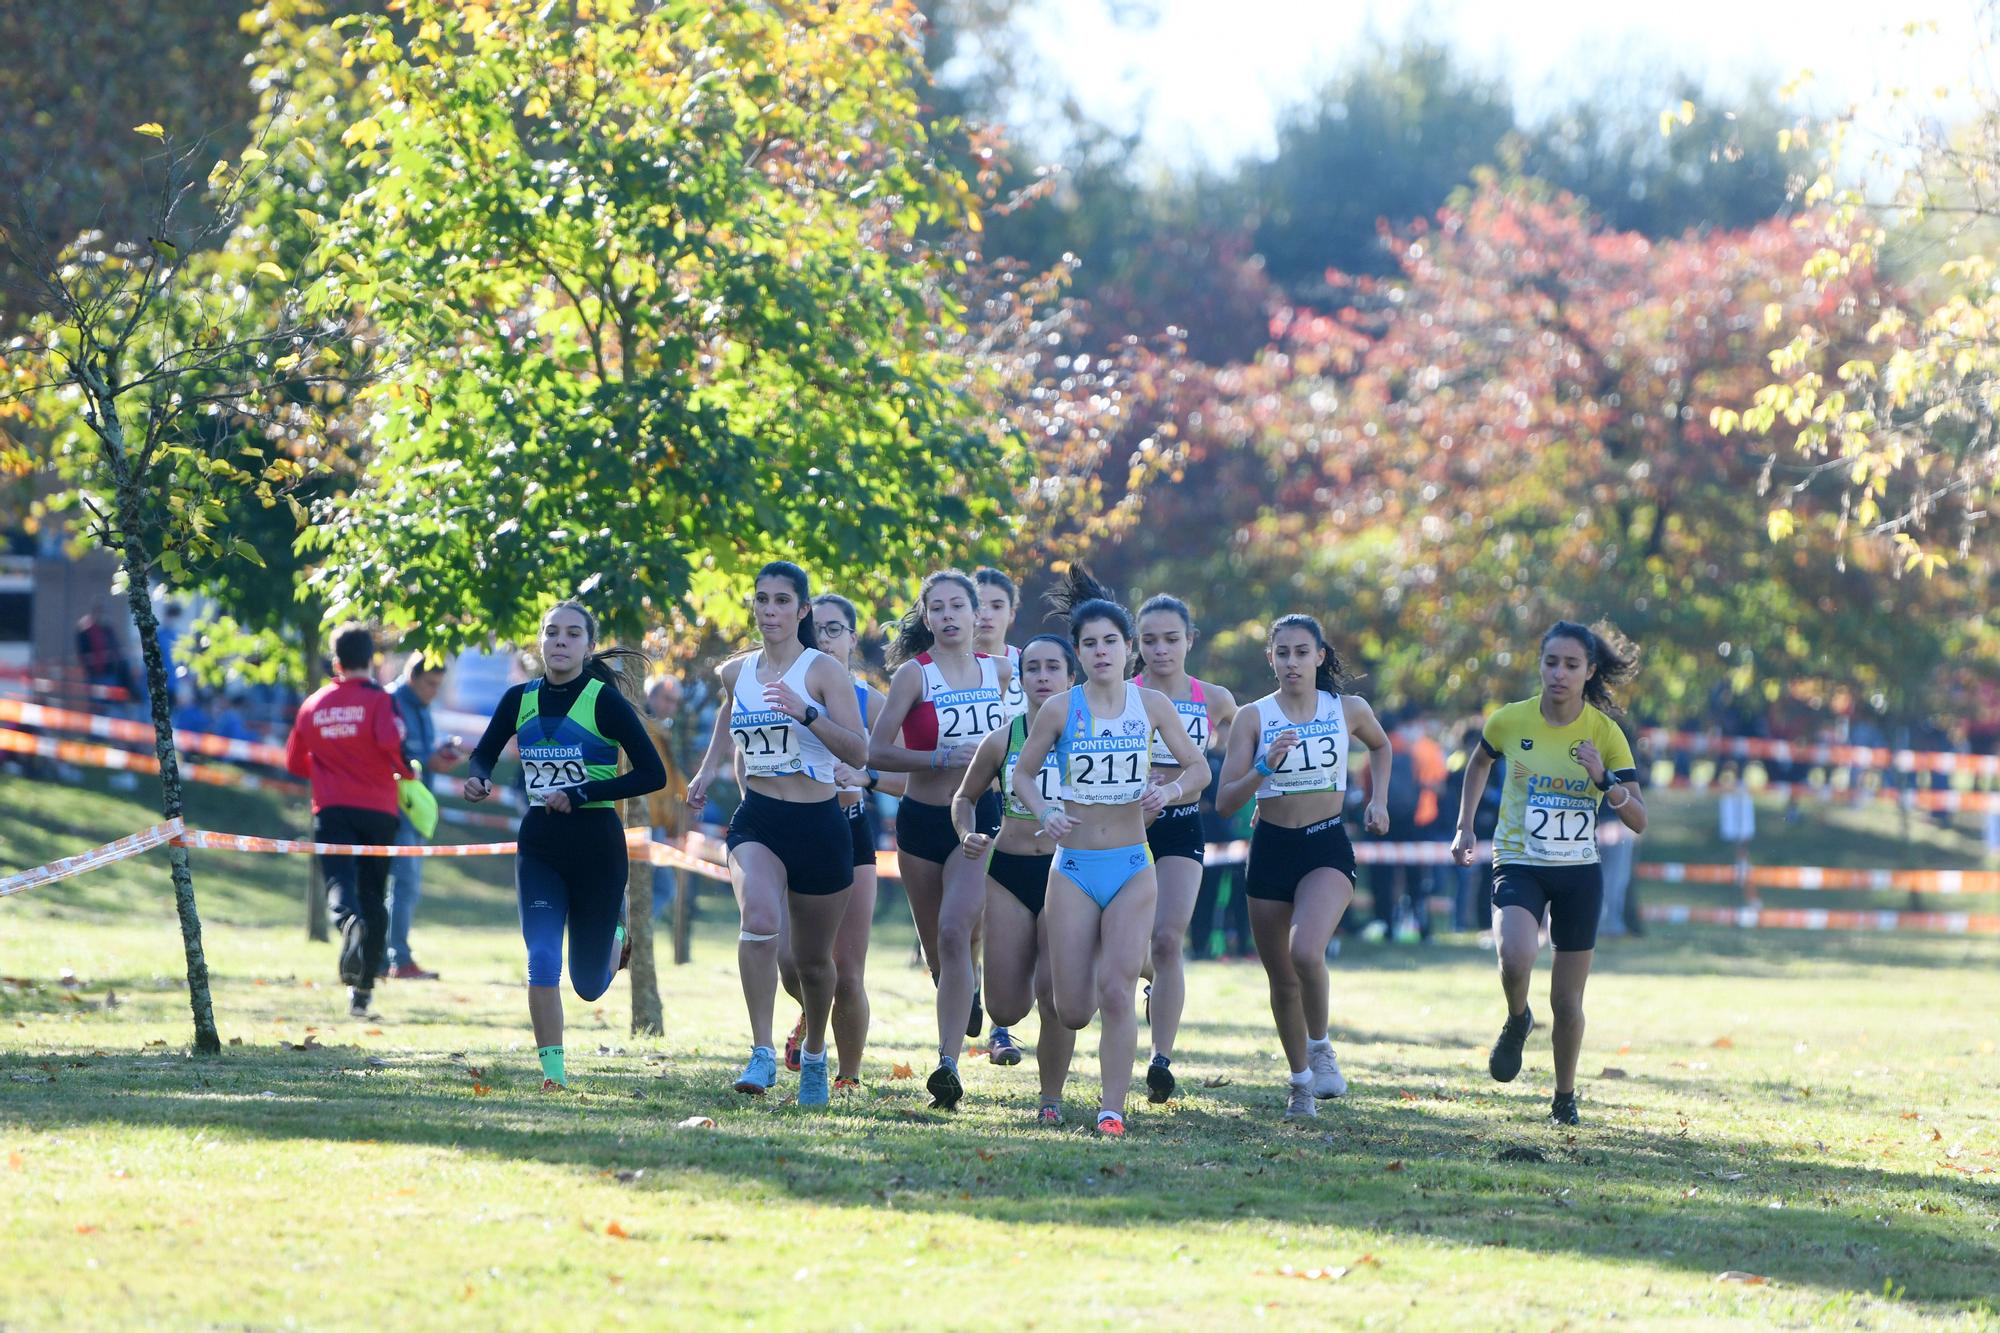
1103	872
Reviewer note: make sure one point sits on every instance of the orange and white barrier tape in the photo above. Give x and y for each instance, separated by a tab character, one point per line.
237	842
1842	756
1827	877
137	733
1947	800
89	754
65	689
1804	918
130	846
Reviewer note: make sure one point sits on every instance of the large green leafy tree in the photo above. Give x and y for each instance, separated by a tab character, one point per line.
675	273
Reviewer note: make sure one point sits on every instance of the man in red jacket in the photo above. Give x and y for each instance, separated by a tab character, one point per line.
348	740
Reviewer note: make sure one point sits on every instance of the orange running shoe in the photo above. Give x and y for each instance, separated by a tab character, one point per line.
1111	1124
794	1044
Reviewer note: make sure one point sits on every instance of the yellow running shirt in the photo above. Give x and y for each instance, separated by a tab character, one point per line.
1548	809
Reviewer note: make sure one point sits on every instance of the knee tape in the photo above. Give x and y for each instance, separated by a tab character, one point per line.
751	937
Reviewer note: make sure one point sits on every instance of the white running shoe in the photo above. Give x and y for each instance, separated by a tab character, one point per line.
1300	1104
1327	1081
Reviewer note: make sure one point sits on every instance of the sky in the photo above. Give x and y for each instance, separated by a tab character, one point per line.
1209	78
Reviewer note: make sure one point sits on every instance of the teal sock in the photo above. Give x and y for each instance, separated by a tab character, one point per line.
552	1064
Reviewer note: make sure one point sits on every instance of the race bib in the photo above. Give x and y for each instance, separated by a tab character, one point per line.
1317	763
1108	770
967	715
768	742
1560	821
1048	781
552	768
1194	720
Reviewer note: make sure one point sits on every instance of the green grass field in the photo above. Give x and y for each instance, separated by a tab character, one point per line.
1815	1111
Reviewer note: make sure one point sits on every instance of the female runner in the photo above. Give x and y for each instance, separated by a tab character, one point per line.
1290	749
1017	871
791	717
943	699
1564	754
999	602
1166	632
836	624
570	867
1101	885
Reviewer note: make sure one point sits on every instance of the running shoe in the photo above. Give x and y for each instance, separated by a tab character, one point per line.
1001	1048
1299	1102
1111	1124
1563	1109
410	971
812	1082
845	1084
794	1043
945	1089
1159	1080
550	1085
361	1004
353	949
758	1076
1328	1081
1050	1115
1505	1060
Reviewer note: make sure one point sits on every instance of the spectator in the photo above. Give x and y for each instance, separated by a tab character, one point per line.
413	697
1737	814
348	742
1401	889
101	656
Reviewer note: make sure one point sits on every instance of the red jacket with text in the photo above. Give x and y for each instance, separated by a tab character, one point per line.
348	741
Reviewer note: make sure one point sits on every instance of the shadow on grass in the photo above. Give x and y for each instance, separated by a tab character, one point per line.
1401	1163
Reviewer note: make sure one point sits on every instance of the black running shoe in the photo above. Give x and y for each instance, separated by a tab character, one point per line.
1563	1109
1505	1060
1159	1080
945	1089
353	949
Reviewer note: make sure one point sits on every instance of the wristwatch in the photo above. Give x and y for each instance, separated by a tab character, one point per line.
1605	783
812	716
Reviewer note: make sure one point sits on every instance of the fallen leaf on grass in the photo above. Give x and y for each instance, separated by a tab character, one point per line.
466	1295
1408	1096
1609	1072
1394	1166
373	1032
85	1229
1722	1043
1312	1274
1747	1279
236	1041
987	1154
1937	1135
1909	1115
613	1229
14	1162
1218	1081
480	1089
901	1071
67	977
1114	1169
696	1122
475	1072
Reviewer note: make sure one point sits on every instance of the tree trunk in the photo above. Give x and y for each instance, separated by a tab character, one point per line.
647	1019
317	928
137	593
684	918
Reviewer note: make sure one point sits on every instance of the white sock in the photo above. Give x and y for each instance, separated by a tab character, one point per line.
1319	1043
1301	1077
812	1057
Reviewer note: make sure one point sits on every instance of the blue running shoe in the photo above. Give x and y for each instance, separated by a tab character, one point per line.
760	1073
812	1082
1001	1049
